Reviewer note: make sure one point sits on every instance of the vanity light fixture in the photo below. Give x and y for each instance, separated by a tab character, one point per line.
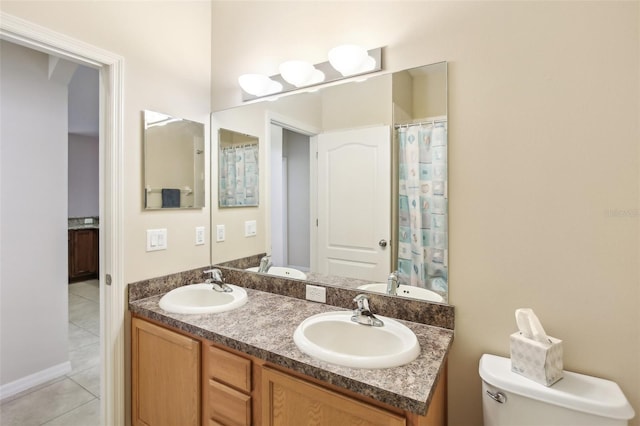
351	59
301	73
259	85
345	61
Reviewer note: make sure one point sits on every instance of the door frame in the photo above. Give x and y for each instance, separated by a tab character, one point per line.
274	118
112	295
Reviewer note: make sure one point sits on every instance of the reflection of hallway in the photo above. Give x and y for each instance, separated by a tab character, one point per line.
74	399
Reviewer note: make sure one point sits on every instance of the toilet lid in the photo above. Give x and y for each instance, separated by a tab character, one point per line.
575	391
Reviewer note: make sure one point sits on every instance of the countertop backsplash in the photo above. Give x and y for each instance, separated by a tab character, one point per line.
435	314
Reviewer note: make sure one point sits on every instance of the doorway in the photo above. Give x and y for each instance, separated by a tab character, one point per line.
112	287
290	158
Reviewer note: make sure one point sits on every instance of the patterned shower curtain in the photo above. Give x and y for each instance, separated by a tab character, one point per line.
238	178
423	231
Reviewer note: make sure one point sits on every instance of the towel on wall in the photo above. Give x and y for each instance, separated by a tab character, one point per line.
170	198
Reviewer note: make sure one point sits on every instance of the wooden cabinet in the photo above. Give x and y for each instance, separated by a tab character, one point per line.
228	388
178	380
292	399
165	376
83	254
288	400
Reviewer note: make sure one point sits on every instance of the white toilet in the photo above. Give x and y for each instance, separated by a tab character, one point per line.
576	400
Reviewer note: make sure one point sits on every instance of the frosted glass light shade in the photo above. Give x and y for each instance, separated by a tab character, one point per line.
350	59
258	84
300	73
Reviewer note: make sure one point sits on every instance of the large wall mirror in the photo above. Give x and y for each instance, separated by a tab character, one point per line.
173	162
354	182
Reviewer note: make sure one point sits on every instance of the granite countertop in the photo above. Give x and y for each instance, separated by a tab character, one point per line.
89	222
88	226
264	328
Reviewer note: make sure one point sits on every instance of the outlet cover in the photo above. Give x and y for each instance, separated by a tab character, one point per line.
316	293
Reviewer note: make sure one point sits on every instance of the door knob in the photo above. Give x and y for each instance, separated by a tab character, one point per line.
382	243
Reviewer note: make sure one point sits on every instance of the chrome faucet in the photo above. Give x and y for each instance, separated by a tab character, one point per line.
362	314
265	264
217	281
392	283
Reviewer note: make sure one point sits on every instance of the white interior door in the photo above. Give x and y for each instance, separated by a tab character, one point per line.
354	185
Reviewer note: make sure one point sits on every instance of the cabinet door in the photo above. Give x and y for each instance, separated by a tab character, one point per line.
165	377
83	253
288	400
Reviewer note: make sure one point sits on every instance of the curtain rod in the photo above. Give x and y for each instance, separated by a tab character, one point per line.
432	122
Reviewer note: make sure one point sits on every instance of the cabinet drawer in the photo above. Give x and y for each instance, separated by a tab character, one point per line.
228	406
229	369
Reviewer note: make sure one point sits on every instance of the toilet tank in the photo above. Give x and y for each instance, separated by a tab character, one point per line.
511	399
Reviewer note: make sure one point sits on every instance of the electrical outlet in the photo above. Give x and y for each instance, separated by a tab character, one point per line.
316	293
220	233
199	235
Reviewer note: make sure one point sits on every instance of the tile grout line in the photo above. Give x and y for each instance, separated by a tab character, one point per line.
69	411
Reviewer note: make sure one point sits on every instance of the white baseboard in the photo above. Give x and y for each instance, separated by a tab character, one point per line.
34	379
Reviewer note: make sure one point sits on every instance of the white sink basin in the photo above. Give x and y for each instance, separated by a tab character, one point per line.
283	271
405	291
202	299
334	338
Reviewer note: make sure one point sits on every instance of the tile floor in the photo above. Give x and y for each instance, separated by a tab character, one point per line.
74	399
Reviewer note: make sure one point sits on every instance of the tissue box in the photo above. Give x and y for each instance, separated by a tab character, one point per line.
540	362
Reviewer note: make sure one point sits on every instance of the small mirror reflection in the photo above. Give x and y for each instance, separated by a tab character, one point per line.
173	162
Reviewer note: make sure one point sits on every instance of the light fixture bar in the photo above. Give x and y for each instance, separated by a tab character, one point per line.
330	73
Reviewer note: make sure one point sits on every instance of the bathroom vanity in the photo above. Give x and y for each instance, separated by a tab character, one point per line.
242	368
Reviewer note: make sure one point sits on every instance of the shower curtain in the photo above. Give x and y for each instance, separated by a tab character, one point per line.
238	178
423	235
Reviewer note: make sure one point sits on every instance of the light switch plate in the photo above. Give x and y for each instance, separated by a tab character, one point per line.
250	228
220	233
199	235
156	239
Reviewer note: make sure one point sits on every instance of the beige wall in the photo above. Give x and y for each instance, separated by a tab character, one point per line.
435	104
355	105
167	51
543	127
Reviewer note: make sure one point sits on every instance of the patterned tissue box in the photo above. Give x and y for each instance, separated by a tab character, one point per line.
540	362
